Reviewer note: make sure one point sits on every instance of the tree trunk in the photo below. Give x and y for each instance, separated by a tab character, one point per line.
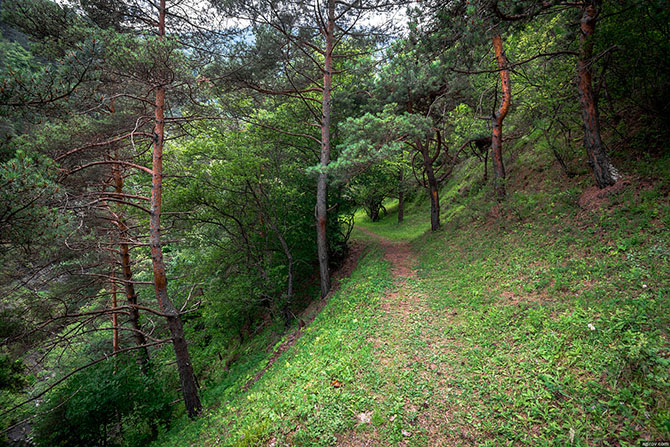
321	186
115	318
289	262
189	387
486	167
432	188
289	285
498	117
401	192
602	168
373	212
131	296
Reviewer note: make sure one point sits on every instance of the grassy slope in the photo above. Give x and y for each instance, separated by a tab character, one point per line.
554	321
297	396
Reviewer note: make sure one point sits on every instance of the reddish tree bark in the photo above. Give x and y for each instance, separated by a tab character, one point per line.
322	186
115	321
189	387
603	170
498	117
124	250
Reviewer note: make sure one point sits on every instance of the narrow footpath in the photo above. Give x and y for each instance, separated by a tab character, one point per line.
415	352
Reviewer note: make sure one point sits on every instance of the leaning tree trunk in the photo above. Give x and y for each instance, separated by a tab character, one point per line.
272	223
432	188
602	168
189	387
131	295
498	117
321	186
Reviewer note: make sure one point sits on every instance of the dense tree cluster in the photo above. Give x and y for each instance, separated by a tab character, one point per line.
182	174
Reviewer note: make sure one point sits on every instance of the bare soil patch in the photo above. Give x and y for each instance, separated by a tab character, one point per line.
398	253
594	197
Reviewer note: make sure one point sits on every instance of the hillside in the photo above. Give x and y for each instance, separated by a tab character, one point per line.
537	322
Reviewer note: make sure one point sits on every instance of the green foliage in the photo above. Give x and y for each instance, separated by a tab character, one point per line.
640	80
248	188
334	347
413	226
11	374
376	137
370	188
53	28
112	403
549	317
15	57
546	335
28	190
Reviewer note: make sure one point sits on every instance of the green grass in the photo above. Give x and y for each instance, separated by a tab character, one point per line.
530	323
561	315
414	223
295	400
563	337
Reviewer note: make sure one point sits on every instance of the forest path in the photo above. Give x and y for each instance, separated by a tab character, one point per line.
399	254
414	353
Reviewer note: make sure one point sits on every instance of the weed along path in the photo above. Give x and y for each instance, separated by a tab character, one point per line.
414	353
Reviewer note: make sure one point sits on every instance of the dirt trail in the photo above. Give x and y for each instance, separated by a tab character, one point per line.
398	253
402	259
412	350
